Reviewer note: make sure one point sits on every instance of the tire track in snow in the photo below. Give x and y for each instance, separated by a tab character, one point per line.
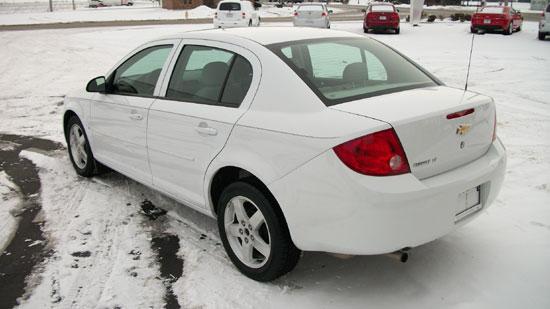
21	255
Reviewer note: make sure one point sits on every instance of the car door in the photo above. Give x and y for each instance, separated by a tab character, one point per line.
211	85
119	116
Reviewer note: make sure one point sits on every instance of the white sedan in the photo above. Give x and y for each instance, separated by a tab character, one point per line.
316	140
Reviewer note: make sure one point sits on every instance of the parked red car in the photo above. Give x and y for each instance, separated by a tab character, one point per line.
381	16
497	18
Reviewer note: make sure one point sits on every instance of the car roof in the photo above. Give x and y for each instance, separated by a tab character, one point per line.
264	35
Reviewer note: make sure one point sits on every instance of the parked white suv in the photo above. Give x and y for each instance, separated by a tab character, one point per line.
544	24
232	13
313	140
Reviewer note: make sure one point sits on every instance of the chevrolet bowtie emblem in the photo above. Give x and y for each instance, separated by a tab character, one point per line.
463	129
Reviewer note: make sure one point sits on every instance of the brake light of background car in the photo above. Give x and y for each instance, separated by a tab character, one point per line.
244	15
375	154
215	14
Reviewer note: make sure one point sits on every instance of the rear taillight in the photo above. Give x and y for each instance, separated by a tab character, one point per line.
295	13
376	154
244	15
323	14
215	14
395	16
495	127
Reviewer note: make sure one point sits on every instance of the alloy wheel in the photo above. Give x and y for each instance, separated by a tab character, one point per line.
247	232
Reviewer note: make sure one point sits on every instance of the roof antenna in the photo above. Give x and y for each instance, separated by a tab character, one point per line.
469	62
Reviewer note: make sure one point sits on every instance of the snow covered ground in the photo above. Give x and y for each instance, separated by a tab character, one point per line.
101	241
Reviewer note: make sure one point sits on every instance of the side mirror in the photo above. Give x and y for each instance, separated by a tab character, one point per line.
363	10
97	84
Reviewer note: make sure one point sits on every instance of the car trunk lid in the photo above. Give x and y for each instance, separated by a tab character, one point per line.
435	125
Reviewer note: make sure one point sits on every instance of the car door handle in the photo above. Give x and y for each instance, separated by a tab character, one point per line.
203	128
136	117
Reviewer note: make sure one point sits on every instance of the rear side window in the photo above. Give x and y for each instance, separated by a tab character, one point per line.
210	75
381	8
230	6
548	9
139	74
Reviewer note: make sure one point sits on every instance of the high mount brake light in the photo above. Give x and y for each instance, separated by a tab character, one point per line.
375	154
461	113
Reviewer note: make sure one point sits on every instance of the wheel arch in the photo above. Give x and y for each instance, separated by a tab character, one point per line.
66	116
228	174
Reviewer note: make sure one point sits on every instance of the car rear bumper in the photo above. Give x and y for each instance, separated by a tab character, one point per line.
316	23
544	27
490	27
231	24
381	25
330	208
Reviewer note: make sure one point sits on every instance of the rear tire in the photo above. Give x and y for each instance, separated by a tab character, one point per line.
473	30
397	30
542	36
365	29
250	23
239	207
518	29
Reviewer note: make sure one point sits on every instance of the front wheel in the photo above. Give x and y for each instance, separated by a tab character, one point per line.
254	233
80	152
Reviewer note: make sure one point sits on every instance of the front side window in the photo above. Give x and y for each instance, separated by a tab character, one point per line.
139	74
210	75
346	69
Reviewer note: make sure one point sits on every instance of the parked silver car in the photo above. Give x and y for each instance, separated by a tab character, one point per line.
312	15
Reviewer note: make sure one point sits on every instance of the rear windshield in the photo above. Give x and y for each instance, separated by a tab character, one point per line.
317	8
548	9
492	10
230	6
339	70
381	8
